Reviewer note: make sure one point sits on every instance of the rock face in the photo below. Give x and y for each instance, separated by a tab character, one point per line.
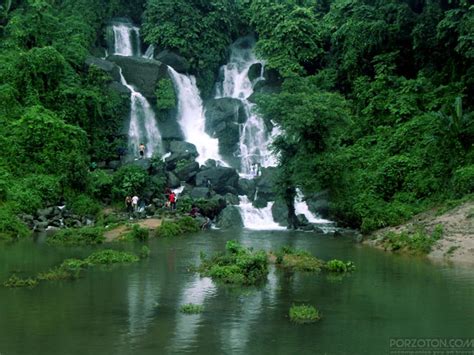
264	184
142	73
105	65
254	71
180	151
319	203
178	63
223	117
168	125
187	172
271	84
229	218
222	179
280	212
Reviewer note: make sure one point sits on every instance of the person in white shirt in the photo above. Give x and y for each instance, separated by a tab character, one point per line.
135	203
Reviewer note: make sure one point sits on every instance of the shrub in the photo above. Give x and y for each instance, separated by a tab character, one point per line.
183	225
340	266
416	242
304	314
69	269
191	308
80	236
128	180
139	233
100	184
144	252
463	180
238	265
166	97
10	226
84	205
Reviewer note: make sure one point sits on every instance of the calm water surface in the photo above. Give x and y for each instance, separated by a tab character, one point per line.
134	309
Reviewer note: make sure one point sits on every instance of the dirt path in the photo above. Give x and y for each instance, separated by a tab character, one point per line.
457	242
113	234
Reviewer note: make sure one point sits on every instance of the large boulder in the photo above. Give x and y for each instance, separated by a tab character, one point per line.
178	63
142	73
172	180
169	127
246	187
229	218
255	71
199	192
265	183
187	172
219	177
107	66
280	212
318	203
223	117
271	84
180	151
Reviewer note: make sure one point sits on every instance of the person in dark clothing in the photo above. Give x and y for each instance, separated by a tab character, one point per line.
194	211
128	204
141	149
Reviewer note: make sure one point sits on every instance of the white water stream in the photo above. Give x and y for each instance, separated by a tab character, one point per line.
143	127
192	120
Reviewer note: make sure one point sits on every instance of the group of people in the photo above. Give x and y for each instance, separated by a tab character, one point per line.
131	203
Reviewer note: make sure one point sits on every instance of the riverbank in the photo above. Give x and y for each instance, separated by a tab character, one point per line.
457	241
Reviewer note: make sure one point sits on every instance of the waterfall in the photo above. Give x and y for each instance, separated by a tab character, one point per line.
126	40
254	140
192	120
149	53
143	127
301	207
257	218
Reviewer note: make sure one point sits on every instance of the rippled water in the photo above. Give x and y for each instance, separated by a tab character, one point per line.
134	309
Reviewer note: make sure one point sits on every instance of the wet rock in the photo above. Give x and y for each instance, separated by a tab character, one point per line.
187	171
219	177
174	60
280	212
45	212
229	218
199	192
180	151
265	182
254	71
246	187
107	66
172	180
231	199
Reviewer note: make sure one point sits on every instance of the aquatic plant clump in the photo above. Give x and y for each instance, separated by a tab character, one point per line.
340	266
298	260
79	236
109	256
304	314
15	281
238	265
191	308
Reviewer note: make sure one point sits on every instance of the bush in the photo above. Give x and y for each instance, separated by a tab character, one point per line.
183	225
415	242
84	205
304	314
138	233
109	256
128	180
238	265
10	226
191	308
80	236
100	184
340	266
463	180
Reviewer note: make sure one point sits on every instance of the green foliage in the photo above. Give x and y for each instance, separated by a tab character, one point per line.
298	260
15	281
109	256
139	233
11	228
463	180
304	314
144	252
165	95
340	266
238	265
129	180
80	236
100	185
181	226
191	308
84	205
414	242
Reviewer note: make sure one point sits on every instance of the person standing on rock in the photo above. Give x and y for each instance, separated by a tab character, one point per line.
135	203
128	204
141	150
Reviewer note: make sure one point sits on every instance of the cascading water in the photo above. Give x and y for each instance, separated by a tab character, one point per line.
126	40
143	127
192	120
254	140
257	218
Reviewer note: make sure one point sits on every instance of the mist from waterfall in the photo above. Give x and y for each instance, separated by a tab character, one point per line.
142	127
192	120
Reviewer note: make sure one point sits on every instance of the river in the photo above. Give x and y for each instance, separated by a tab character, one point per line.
134	309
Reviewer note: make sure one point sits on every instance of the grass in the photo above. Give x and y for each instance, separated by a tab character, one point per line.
304	314
339	266
180	226
79	236
15	281
191	308
238	265
416	242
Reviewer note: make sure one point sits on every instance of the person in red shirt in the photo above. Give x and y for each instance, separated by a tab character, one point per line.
172	200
